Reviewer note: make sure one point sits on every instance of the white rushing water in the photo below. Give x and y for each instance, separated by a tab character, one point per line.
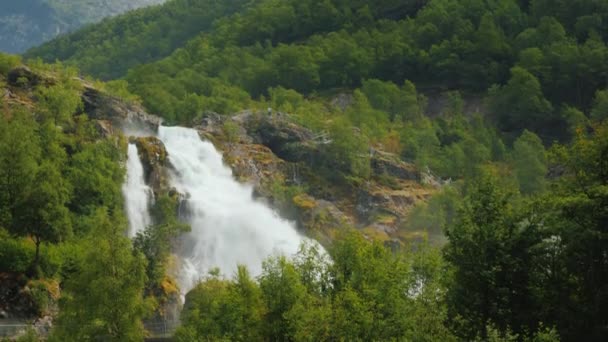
136	193
228	226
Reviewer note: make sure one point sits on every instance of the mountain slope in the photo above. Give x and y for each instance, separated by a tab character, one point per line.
107	50
26	23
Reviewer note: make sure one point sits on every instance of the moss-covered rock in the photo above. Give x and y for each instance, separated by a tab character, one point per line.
153	156
389	164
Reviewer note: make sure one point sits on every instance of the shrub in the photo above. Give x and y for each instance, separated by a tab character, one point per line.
8	62
16	255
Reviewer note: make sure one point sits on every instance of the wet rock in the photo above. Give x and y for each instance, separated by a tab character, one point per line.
153	156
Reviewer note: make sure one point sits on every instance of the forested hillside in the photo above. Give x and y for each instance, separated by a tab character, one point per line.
26	23
501	106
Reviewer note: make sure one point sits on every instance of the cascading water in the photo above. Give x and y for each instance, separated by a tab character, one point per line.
136	193
228	226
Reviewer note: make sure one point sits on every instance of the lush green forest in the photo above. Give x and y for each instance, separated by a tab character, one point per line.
520	140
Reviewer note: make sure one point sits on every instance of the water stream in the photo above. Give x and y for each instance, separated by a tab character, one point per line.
136	193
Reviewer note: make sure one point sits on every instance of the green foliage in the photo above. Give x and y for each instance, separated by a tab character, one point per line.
349	151
489	249
287	100
96	176
19	154
231	131
58	103
155	241
530	163
575	217
600	106
542	335
222	310
512	261
8	62
16	255
120	43
442	43
520	101
105	298
364	293
435	215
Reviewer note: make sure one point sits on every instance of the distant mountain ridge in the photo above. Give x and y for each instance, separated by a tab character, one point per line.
26	23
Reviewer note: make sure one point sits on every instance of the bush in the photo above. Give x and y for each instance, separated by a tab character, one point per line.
16	255
8	63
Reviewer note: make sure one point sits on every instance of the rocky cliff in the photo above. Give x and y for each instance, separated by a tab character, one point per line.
275	155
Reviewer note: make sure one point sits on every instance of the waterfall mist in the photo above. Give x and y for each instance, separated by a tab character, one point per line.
228	226
136	193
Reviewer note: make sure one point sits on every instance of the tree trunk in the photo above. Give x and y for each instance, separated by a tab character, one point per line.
35	272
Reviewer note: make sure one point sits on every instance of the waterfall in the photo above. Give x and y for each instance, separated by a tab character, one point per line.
136	193
228	226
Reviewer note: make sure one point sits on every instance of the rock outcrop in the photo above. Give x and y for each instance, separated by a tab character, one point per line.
22	76
265	150
123	115
153	156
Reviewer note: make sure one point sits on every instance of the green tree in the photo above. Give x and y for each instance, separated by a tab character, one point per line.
600	106
8	62
489	250
575	215
96	175
530	163
104	298
282	290
348	150
19	155
58	103
45	216
520	103
218	309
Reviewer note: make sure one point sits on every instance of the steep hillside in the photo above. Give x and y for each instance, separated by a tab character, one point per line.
108	50
440	45
26	23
